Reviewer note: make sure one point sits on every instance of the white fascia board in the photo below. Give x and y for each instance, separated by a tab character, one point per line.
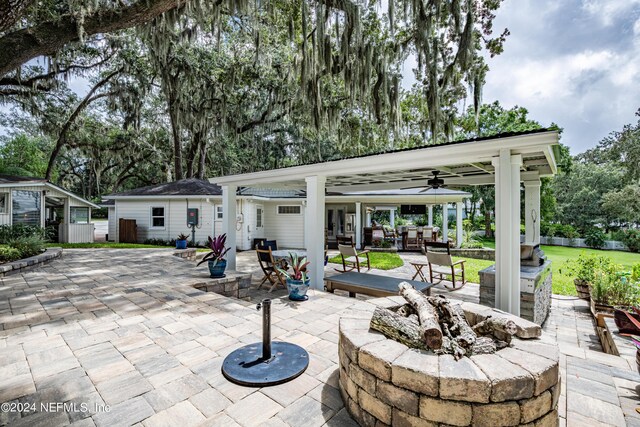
414	200
45	185
433	156
142	198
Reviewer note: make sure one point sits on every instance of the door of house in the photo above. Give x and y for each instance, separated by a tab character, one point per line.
335	222
259	225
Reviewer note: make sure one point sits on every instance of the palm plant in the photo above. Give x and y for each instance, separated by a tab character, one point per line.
218	249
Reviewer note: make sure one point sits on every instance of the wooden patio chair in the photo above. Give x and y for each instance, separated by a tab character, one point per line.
412	238
352	259
271	273
442	264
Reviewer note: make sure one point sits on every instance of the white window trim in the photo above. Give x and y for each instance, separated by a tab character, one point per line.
80	207
151	208
7	201
261	208
289	214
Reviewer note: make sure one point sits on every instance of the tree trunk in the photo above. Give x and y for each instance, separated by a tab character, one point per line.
426	313
397	327
46	38
177	146
202	162
487	224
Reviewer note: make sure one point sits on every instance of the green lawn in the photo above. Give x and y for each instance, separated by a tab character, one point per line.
559	255
379	260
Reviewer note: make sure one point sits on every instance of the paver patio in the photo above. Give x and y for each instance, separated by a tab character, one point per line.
121	328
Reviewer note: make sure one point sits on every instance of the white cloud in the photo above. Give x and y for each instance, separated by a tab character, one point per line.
608	10
573	67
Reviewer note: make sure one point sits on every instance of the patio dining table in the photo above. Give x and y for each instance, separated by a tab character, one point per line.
283	254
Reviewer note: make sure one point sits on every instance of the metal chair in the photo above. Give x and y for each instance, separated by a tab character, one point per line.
345	240
270	269
442	264
351	258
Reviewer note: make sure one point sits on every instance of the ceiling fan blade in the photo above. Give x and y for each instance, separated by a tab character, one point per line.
409	188
426	189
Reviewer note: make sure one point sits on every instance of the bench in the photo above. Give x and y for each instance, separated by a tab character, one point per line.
371	284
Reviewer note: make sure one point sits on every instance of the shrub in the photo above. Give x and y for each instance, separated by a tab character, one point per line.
159	242
8	254
594	238
421	221
631	238
567	230
17	231
400	221
27	246
544	228
586	266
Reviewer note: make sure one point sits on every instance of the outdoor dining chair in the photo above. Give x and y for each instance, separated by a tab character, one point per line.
352	259
345	240
270	269
441	264
412	238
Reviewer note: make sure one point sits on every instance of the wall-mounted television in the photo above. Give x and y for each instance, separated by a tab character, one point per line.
413	209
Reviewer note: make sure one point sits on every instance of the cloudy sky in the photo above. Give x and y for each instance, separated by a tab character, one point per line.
572	62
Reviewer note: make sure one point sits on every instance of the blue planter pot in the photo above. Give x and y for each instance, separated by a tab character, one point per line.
298	289
216	269
181	244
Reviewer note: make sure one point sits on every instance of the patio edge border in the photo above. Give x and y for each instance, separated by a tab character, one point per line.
19	266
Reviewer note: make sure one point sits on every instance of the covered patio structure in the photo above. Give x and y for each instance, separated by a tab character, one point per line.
504	160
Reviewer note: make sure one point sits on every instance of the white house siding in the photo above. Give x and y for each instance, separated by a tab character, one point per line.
242	208
111	218
288	230
175	218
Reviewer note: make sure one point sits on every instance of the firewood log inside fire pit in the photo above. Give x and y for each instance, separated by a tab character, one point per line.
434	323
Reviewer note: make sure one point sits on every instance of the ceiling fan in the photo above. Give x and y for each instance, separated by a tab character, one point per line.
434	182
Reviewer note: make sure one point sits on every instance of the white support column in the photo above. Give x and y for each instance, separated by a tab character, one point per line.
392	218
458	224
507	286
368	219
532	211
358	224
229	222
430	208
445	222
314	229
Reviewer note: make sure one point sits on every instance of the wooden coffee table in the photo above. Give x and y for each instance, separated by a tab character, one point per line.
373	285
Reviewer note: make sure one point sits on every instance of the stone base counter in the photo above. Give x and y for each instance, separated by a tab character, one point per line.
383	382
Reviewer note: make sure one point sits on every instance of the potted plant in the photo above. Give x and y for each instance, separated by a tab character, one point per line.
601	292
181	241
217	263
297	280
583	269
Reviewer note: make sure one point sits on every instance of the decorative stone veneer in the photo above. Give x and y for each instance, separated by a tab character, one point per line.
235	285
383	382
189	254
16	267
535	290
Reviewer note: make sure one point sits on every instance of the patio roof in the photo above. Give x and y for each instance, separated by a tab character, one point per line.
466	162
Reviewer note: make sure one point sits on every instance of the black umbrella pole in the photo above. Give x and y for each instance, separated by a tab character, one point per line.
266	329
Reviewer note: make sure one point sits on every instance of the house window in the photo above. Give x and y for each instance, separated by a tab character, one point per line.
157	217
78	215
289	210
4	202
258	217
218	212
26	207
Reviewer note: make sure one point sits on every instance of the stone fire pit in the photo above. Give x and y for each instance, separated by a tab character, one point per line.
384	382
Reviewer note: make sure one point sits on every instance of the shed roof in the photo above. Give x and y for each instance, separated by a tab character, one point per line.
460	163
26	181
